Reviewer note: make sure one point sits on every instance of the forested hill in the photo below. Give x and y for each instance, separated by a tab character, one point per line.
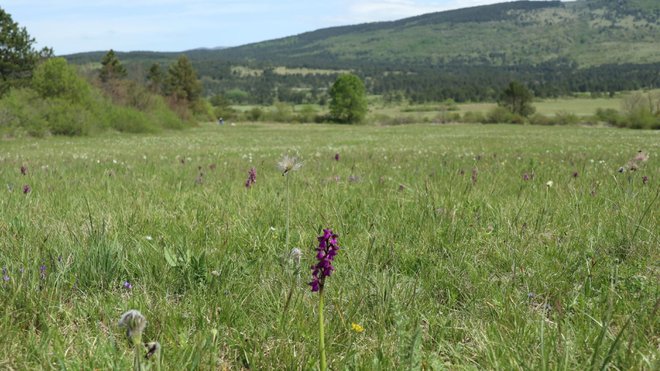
587	32
465	54
523	32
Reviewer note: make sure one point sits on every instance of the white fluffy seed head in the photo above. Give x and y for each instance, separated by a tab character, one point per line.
134	322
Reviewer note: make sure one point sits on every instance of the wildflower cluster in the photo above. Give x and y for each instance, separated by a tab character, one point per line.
252	178
326	253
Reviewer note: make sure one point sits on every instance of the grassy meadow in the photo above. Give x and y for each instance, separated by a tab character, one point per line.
463	247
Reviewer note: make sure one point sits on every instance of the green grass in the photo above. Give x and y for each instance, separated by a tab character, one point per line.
441	272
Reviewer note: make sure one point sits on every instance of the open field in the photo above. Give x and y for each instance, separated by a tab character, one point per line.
463	246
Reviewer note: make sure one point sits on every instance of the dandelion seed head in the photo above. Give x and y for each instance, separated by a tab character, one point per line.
134	322
288	164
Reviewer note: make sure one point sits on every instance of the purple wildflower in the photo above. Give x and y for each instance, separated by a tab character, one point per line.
526	177
645	179
252	178
336	156
575	174
127	285
5	276
475	172
42	271
26	189
23	170
325	254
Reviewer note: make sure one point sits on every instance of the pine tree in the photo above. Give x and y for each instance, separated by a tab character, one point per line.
182	83
111	67
155	78
17	56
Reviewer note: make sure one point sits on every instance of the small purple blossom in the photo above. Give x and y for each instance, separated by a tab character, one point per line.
252	178
575	174
23	170
645	179
5	276
526	177
475	173
127	285
325	254
336	156
42	271
27	189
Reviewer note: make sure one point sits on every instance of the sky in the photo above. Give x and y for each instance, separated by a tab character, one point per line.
72	26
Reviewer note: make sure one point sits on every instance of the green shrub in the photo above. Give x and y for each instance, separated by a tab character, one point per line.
643	119
610	116
56	79
22	112
255	114
499	115
565	118
307	113
447	117
283	113
473	117
540	119
125	119
67	118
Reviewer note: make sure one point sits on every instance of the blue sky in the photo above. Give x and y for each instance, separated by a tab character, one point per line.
70	26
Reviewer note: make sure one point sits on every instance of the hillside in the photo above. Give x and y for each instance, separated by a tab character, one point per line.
587	45
586	32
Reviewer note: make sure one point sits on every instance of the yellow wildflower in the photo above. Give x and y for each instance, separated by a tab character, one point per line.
357	328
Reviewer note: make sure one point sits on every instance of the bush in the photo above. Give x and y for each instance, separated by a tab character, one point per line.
56	79
67	118
643	119
126	119
540	119
565	118
610	116
306	114
283	113
255	114
447	117
499	115
473	117
22	112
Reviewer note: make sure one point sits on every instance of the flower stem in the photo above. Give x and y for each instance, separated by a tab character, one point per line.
324	365
137	356
288	213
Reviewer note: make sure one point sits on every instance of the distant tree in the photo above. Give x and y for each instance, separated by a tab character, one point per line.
17	56
111	67
348	99
517	99
155	78
56	79
182	82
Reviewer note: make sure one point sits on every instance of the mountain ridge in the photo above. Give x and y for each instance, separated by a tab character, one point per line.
464	54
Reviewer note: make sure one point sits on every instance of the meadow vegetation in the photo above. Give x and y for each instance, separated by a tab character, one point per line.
462	246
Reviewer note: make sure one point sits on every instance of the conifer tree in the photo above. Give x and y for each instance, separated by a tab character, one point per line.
111	67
